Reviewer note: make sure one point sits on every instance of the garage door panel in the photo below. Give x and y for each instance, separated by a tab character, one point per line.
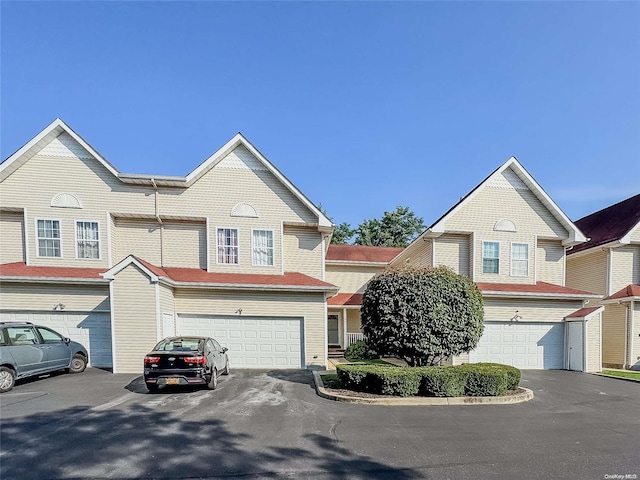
523	345
252	342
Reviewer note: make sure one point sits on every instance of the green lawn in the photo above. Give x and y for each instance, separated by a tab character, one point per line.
616	373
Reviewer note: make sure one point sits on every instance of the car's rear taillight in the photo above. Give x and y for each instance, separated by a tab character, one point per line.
200	360
149	359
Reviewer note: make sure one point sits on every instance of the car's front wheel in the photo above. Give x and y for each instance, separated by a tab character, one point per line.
213	382
78	363
7	379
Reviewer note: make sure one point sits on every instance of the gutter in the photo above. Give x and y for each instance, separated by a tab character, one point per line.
246	286
541	296
66	280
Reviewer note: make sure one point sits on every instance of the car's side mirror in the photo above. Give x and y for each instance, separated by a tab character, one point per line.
224	349
67	340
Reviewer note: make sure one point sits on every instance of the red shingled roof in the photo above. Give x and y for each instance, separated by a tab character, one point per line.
583	312
626	292
20	269
360	253
345	299
539	288
196	275
609	224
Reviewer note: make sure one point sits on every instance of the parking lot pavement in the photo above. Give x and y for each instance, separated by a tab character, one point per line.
271	424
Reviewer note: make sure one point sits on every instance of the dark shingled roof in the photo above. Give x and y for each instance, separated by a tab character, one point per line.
609	224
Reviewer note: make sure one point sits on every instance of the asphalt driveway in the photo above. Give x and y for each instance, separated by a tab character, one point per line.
271	424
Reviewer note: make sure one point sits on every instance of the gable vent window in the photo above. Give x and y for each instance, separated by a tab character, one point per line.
262	248
65	200
490	257
519	260
88	240
228	246
504	225
244	210
48	236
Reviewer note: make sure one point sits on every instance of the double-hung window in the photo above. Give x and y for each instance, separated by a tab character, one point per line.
228	245
519	259
87	240
262	247
48	236
490	257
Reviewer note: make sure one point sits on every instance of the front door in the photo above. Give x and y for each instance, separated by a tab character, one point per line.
333	336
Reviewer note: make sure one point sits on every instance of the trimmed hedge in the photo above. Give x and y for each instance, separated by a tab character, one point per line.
477	379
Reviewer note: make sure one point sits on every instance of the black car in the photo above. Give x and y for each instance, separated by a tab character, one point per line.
185	361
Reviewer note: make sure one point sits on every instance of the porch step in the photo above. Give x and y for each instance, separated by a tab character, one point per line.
335	351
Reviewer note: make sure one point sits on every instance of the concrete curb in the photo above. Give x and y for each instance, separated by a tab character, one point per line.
523	396
617	378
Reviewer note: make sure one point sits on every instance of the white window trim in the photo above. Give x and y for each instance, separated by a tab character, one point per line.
217	245
482	257
37	238
75	223
273	248
511	274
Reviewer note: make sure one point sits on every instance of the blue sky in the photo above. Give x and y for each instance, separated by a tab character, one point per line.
363	105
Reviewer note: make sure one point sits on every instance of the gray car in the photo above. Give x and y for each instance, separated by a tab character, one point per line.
27	349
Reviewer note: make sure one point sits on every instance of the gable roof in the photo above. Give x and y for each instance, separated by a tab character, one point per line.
612	224
195	277
575	235
628	293
361	254
58	127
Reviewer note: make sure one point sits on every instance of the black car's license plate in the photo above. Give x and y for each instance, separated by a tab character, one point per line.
173	381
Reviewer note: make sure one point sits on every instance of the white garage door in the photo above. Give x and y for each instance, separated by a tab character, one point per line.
92	330
252	342
522	344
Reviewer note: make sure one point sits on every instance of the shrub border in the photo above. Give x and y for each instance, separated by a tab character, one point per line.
523	395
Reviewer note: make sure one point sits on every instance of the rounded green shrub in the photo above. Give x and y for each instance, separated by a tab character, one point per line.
359	350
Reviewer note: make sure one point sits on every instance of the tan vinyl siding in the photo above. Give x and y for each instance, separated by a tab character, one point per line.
614	319
491	204
460	359
96	188
550	262
11	237
635	235
625	267
419	254
112	240
303	251
454	252
353	321
167	299
588	272
239	178
351	278
273	304
593	344
75	298
529	310
138	237
135	324
635	357
184	244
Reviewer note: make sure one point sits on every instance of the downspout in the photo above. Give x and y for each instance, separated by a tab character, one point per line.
632	333
156	196
626	339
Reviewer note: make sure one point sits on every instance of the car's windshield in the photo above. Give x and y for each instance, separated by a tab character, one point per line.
179	345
